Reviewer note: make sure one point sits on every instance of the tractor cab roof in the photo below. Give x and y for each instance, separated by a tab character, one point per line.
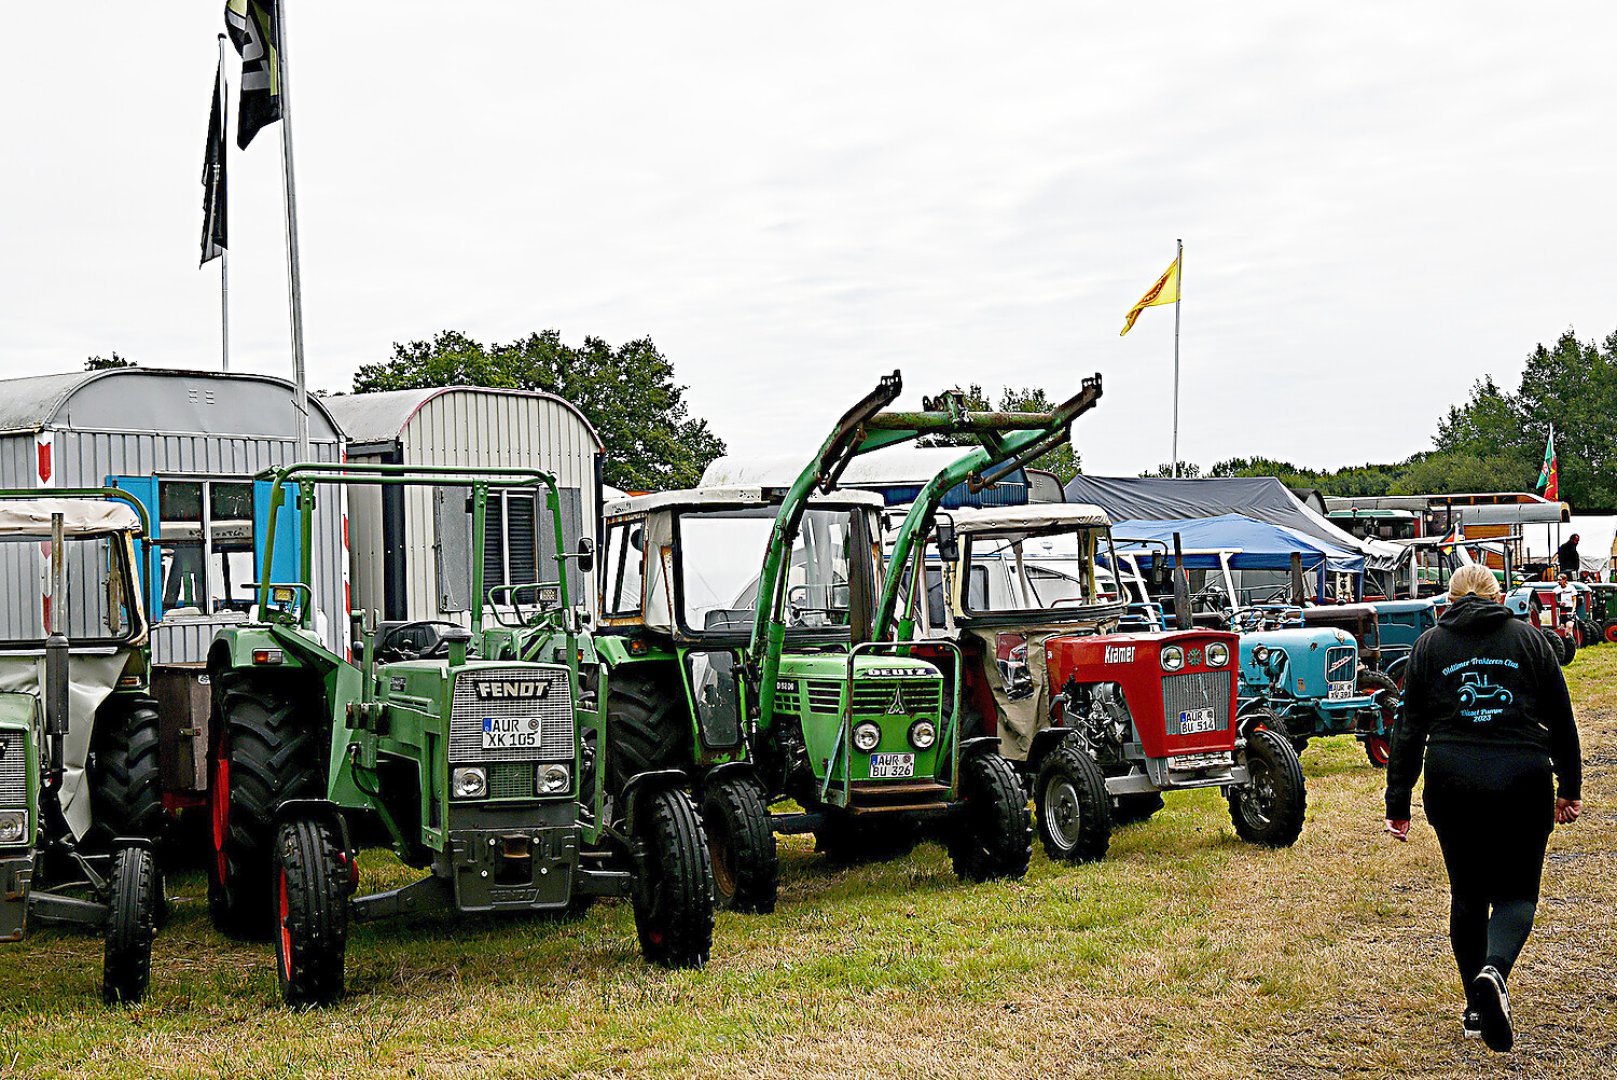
716	497
1027	518
80	517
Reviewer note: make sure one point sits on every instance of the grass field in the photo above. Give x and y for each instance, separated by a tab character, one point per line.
1185	954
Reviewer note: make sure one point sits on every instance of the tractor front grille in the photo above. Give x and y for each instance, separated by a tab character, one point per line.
1339	665
13	770
511	780
549	714
897	697
1196	690
824	696
788	700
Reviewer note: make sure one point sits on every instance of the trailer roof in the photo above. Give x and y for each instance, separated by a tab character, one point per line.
39	401
381	416
1032	516
734	496
80	517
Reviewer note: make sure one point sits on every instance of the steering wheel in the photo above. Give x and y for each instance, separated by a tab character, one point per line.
419	640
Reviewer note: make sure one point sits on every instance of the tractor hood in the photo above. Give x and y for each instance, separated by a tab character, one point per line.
1311	659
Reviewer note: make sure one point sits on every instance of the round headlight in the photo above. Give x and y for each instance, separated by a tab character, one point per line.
1260	653
923	733
866	736
1218	654
13	826
468	782
554	780
1173	658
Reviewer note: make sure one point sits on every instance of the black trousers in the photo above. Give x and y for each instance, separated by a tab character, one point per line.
1492	809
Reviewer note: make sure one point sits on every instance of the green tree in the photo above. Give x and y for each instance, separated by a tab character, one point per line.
102	363
627	392
1188	470
1063	461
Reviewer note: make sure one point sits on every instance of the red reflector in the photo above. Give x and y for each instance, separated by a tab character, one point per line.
266	656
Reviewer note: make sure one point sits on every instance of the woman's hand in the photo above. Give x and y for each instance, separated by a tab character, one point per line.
1399	829
1568	810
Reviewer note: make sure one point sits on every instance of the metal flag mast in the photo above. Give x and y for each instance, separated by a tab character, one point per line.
224	253
294	280
1178	296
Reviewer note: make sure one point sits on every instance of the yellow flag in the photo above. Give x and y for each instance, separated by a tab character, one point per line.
1165	291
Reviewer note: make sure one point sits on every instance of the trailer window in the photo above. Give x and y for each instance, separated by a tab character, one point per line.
205	541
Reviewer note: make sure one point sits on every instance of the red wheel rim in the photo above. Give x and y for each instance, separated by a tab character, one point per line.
1611	631
286	932
219	796
1379	749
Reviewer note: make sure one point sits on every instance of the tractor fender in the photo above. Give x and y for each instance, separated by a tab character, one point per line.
651	780
234	649
1046	741
1251	717
978	745
721	771
322	809
1395	670
614	652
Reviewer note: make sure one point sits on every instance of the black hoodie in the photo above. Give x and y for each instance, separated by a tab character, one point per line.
1483	678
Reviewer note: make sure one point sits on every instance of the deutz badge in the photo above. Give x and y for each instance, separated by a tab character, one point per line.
897	706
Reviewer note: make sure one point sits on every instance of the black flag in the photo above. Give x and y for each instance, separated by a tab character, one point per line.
214	203
252	30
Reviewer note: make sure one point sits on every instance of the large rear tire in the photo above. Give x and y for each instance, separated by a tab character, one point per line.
267	748
132	915
1269	808
991	836
311	898
1378	747
647	726
1074	811
673	884
746	869
1609	630
126	784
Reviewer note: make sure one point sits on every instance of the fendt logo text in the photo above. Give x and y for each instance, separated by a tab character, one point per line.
519	690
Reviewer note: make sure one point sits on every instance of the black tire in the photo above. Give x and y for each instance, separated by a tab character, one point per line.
741	841
136	895
1134	809
126	783
647	727
991	836
1074	811
268	748
311	889
1378	748
1609	630
1270	808
673	885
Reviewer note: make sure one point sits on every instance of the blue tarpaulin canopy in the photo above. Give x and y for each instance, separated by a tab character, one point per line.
1259	545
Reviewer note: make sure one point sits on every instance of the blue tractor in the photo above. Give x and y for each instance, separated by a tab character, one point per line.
1310	682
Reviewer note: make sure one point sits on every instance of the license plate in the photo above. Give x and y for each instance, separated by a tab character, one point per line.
510	733
1196	721
886	766
1184	762
1339	691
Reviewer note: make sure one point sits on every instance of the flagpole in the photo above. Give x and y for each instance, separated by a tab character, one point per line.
224	253
294	279
1179	292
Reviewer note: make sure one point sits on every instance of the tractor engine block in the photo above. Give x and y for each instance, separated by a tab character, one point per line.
1100	713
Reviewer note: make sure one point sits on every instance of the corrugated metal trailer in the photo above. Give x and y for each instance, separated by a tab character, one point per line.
186	444
411	547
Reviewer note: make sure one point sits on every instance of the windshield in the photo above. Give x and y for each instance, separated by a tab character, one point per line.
721	553
99	607
1038	571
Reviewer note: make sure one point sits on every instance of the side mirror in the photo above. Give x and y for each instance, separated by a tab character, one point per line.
948	542
585	555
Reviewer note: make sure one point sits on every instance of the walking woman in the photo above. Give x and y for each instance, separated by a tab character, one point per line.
1486	707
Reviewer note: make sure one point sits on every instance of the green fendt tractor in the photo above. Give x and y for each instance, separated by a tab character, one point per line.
763	681
482	771
78	736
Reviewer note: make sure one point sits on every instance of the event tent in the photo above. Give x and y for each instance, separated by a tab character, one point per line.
1246	544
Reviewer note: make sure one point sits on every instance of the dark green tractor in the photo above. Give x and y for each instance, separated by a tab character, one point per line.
483	772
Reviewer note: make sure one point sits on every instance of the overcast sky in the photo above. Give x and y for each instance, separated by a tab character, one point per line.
1379	202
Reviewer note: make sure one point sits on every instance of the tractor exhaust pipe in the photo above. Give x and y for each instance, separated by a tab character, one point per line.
56	654
1299	590
1181	588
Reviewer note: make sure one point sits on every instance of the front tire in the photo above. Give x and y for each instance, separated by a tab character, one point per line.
311	897
673	886
1269	808
126	784
1074	811
266	751
991	836
136	897
746	870
1378	747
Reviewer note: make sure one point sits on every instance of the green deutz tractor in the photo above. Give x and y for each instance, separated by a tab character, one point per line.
762	681
79	804
481	771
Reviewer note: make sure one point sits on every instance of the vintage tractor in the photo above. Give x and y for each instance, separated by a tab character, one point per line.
1103	722
736	644
1536	602
78	771
483	772
1310	682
